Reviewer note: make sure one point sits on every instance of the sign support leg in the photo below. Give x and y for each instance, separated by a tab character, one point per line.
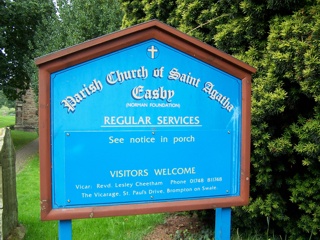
65	230
223	224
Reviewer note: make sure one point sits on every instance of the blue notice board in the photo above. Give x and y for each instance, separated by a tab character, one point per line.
147	123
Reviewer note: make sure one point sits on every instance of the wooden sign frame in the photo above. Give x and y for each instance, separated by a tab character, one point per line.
116	41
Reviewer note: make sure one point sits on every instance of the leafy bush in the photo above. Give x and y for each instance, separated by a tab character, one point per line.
5	111
282	40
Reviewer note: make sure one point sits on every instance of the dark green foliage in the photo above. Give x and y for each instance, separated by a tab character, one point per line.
81	20
282	40
285	132
18	23
76	21
32	28
138	11
5	102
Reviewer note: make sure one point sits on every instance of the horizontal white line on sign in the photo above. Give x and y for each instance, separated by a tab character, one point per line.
139	126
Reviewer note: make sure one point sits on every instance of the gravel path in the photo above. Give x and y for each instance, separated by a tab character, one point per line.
23	154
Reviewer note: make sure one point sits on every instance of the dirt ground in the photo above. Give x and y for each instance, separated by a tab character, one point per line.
172	224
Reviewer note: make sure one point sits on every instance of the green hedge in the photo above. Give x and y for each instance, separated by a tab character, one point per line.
282	40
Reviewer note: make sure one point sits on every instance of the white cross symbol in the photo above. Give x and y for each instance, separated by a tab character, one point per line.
152	50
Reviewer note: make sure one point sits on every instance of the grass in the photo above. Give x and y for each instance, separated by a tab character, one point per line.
117	228
19	138
6	121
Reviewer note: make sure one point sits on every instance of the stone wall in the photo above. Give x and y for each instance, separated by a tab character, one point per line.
8	195
27	113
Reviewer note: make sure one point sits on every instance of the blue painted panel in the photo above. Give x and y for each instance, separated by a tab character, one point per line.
120	119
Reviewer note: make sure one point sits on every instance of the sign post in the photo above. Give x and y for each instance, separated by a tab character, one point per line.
223	224
144	120
65	229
